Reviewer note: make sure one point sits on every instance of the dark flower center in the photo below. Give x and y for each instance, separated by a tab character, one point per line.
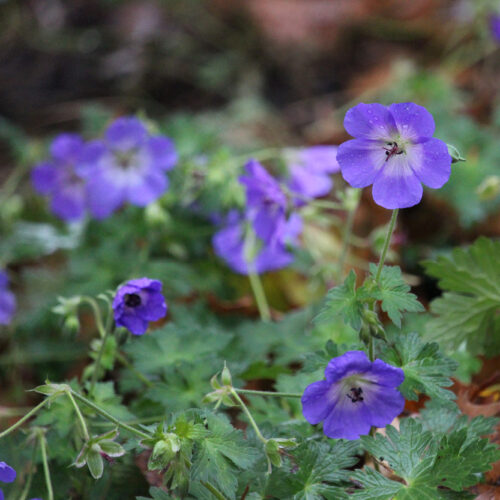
354	394
126	159
132	300
392	149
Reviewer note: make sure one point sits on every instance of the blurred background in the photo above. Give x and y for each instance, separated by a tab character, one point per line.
225	78
258	72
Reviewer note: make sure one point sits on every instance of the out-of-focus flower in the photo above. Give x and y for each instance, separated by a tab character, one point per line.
7	305
7	473
356	395
58	178
137	303
244	252
394	150
310	170
129	165
495	27
266	202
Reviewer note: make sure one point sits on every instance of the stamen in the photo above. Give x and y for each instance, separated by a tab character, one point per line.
132	300
394	150
356	394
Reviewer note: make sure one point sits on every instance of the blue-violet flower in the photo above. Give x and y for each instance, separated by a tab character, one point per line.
244	252
138	302
128	165
266	202
58	178
7	302
495	27
356	395
310	170
394	150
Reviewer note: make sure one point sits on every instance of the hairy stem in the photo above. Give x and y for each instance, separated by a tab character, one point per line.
26	417
260	296
85	430
249	416
109	417
387	242
46	470
125	362
269	393
97	364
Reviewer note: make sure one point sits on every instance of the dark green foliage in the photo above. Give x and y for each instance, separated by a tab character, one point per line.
467	311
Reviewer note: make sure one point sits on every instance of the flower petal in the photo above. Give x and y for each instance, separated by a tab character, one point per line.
126	133
69	203
162	152
370	121
345	365
347	420
386	375
154	308
431	162
103	196
397	186
66	147
384	405
45	178
413	121
145	189
315	405
7	473
135	324
360	161
7	306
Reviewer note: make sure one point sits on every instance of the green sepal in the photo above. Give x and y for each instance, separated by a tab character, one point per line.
95	462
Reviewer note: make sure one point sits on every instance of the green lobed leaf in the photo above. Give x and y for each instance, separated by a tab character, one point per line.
221	454
427	463
467	311
316	471
393	292
343	300
426	369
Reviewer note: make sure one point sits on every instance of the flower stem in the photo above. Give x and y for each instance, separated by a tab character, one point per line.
97	364
387	243
27	485
85	430
249	416
371	350
260	296
268	393
46	470
125	362
26	417
346	242
109	417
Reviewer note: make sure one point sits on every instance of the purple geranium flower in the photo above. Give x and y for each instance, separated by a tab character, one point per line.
394	150
7	302
243	251
495	27
128	165
58	179
266	201
310	170
356	395
137	303
7	473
